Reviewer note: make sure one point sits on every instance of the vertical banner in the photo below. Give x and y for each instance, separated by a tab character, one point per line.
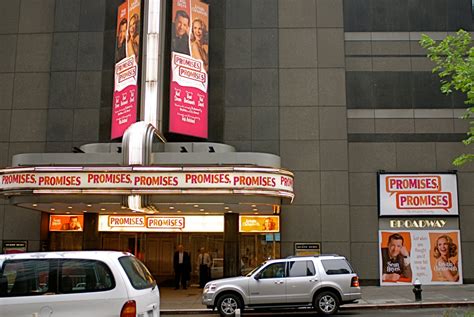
127	49
189	68
434	257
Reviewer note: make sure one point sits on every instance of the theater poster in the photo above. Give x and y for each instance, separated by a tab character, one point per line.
127	50
431	256
66	222
188	113
259	224
418	194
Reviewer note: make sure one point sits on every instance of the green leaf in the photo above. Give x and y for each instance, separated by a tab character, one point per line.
454	63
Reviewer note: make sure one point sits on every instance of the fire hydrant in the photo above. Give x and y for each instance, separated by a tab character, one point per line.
417	290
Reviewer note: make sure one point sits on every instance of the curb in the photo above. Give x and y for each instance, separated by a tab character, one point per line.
343	307
408	305
186	311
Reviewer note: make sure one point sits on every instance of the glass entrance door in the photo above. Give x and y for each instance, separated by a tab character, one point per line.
159	251
133	243
213	243
127	242
156	250
256	248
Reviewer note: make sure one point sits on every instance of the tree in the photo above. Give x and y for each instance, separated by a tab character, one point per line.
454	59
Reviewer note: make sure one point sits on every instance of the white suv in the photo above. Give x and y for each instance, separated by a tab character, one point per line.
76	283
323	282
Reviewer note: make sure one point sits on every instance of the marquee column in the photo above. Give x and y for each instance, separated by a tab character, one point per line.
91	236
231	245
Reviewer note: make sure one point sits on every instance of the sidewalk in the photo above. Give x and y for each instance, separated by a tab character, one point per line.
373	297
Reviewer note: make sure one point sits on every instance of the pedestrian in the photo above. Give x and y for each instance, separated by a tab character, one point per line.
182	267
204	264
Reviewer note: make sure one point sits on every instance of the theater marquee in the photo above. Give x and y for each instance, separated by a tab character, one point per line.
418	194
147	180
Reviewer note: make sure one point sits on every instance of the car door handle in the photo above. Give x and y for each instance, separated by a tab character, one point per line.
278	282
313	280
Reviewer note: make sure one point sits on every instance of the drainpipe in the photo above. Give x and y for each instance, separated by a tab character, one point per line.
136	147
137	141
152	62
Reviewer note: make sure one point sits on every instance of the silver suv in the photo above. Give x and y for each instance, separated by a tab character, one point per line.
323	282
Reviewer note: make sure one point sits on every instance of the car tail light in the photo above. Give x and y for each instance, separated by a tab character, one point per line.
355	281
129	309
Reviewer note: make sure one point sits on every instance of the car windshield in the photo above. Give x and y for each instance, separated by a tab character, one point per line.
255	269
137	273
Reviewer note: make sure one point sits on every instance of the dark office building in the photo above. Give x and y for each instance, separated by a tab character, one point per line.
340	90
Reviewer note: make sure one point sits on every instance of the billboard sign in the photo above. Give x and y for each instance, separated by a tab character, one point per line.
418	194
188	113
127	50
432	256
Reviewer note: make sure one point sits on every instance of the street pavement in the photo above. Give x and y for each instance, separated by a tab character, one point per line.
373	297
414	312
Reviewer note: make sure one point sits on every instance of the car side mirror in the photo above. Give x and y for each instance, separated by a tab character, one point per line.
257	276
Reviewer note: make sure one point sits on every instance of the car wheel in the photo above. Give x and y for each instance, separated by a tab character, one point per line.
228	304
326	303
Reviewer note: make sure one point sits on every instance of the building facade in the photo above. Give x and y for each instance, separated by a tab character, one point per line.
340	90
